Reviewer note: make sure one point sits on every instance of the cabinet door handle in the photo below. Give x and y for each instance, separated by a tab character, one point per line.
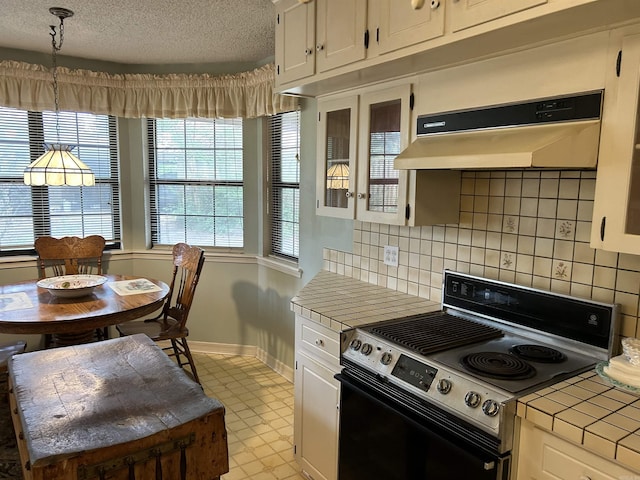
362	195
319	342
417	4
348	194
320	47
435	4
308	51
603	224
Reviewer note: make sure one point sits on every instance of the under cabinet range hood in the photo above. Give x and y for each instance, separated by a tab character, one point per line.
560	132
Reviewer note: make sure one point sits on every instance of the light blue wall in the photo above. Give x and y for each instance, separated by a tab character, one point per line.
238	302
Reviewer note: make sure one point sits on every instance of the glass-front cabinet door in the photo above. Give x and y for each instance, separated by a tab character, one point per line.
616	211
336	162
384	123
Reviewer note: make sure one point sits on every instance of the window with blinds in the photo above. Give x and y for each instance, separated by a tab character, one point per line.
284	184
196	181
28	212
384	147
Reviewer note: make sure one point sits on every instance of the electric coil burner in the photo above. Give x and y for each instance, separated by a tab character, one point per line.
498	365
491	343
538	353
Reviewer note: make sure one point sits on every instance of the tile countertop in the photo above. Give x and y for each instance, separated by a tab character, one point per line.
584	409
589	412
341	302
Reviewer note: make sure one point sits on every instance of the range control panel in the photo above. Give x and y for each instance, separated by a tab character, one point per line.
477	402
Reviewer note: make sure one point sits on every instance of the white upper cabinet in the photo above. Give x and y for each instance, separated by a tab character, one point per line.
336	156
468	13
401	25
317	36
295	40
359	136
384	126
616	215
340	32
350	43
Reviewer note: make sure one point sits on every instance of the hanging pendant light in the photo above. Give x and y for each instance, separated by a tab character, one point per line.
338	176
58	166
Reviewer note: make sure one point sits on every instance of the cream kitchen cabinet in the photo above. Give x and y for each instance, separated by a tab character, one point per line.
336	156
403	40
544	456
295	40
616	212
468	13
384	122
317	36
398	24
316	399
406	23
359	135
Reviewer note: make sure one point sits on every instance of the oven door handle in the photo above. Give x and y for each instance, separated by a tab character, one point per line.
487	464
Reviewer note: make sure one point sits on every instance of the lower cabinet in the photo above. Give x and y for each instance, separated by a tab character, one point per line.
316	399
544	456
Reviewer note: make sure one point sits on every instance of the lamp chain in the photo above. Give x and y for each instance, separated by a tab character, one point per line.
54	50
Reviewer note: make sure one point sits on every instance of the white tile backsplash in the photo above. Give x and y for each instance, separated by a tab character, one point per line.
527	227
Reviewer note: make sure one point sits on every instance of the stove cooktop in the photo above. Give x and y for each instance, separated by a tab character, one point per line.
491	343
497	363
511	362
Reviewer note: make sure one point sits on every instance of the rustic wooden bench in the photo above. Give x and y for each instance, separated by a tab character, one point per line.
119	410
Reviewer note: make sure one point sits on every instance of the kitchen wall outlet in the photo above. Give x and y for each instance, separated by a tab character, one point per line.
391	256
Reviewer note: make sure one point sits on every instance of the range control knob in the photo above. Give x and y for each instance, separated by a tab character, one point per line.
472	399
444	386
386	358
491	408
355	344
366	349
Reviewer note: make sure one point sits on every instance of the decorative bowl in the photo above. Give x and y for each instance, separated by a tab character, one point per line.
631	350
71	286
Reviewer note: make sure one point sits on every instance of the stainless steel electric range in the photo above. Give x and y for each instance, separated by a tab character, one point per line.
439	390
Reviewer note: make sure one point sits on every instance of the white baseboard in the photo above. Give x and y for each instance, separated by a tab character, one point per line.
274	364
250	350
223	348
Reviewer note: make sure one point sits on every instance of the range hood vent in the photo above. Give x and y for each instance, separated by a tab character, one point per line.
560	132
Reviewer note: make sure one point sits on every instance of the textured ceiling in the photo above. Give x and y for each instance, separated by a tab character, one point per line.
146	31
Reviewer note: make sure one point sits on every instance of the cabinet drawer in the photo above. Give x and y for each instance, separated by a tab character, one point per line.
318	340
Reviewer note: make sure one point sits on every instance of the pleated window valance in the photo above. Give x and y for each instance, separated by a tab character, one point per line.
243	95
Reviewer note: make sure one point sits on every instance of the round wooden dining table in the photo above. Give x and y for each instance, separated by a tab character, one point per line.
26	308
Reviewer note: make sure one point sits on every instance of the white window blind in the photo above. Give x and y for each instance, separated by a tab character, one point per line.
196	181
284	184
29	212
384	147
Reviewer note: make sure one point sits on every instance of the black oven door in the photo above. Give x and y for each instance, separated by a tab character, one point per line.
383	437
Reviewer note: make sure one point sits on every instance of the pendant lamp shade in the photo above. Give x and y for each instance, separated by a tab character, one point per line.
58	166
338	176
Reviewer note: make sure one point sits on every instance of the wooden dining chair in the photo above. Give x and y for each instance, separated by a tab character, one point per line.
170	325
70	256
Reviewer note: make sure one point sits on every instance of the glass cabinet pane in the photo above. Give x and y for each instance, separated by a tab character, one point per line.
337	158
633	208
384	146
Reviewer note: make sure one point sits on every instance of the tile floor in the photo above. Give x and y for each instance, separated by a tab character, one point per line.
259	416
